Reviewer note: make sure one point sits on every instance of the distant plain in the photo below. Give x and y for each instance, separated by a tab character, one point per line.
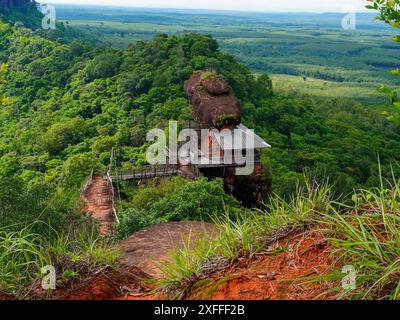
306	53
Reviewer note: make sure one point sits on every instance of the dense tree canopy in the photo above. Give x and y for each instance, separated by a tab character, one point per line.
71	103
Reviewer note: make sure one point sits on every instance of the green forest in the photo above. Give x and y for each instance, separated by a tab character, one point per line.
345	63
71	95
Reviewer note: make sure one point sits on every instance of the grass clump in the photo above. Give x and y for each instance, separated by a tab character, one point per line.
367	237
20	254
208	75
24	253
364	234
245	235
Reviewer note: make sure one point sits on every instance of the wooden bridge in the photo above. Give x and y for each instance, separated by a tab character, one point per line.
159	171
164	170
143	173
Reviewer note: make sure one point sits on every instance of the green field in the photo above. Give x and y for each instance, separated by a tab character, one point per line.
349	63
293	86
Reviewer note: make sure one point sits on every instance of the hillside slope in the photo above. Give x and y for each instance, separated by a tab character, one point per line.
24	11
66	104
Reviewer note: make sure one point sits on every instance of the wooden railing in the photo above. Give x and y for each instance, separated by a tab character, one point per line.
111	185
87	183
147	172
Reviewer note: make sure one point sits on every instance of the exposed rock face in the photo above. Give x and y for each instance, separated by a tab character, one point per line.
214	106
213	103
215	86
148	249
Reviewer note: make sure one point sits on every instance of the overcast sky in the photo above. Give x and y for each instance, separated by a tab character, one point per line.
249	5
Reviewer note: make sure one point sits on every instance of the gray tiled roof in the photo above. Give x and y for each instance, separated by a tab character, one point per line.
243	138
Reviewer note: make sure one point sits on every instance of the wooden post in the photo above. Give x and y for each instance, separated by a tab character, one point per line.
111	160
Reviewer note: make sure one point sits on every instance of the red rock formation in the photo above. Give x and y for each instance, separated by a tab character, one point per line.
214	106
213	103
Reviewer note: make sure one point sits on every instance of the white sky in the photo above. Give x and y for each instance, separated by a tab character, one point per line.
246	5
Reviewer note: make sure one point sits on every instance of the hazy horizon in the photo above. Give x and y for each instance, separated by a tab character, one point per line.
239	5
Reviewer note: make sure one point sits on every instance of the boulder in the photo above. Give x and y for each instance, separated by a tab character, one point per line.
215	86
150	248
213	104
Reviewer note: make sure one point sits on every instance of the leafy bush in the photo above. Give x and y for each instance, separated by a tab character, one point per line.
20	202
196	200
61	135
133	220
103	66
104	144
175	199
78	167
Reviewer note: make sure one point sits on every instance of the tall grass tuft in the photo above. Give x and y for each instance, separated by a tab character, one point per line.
24	253
247	235
367	237
21	257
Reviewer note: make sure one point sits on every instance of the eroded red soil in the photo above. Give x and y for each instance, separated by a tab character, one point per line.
98	202
105	285
4	296
272	276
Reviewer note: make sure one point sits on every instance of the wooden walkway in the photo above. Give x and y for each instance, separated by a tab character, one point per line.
165	170
148	172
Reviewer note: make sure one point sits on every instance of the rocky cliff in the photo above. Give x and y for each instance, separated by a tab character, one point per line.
215	106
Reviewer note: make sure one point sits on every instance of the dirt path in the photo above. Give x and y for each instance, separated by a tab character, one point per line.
98	202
